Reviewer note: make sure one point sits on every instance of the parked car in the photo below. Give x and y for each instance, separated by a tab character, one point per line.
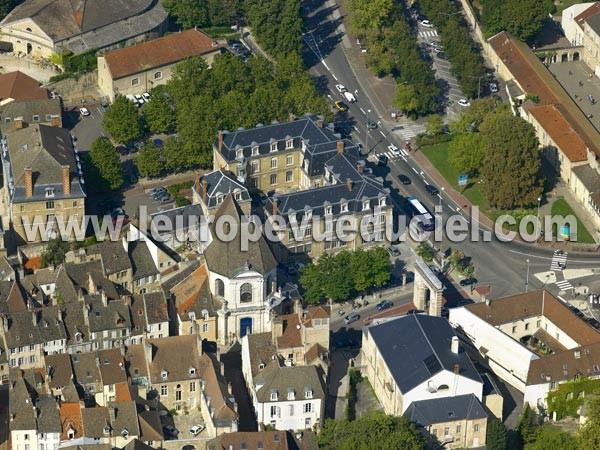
341	88
196	429
404	179
341	106
382	160
155	191
146	97
170	429
464	102
384	304
84	112
141	100
432	189
371	125
467	281
351	318
410	312
166	199
393	251
392	148
441	55
426	23
131	98
349	96
493	88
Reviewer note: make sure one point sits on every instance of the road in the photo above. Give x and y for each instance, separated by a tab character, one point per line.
502	265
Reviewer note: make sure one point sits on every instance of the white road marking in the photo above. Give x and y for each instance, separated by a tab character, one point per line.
333	75
326	66
382	133
355	127
363	111
415	170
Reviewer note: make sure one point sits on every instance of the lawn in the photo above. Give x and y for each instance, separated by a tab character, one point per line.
561	208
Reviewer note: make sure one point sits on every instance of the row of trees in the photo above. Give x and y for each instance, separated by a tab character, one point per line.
198	102
202	13
344	275
383	29
502	149
466	60
522	18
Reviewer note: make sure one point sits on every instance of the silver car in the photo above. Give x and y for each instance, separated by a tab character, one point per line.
351	318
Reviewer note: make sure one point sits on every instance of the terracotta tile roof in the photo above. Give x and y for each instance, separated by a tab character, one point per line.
18	86
522	306
123	392
316	312
561	132
291	332
186	292
159	52
583	361
70	419
271	440
314	353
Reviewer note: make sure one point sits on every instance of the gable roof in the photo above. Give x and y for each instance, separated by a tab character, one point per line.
159	52
282	380
166	355
227	258
261	350
70	418
417	347
18	87
220	183
445	409
268	440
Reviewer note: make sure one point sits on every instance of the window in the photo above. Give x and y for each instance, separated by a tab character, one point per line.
48	117
36	118
205	327
273	163
289	160
273	179
239	153
538	323
164	374
178	396
366	205
254	166
164	390
274	396
476	428
220	198
514	329
50	205
273	411
255	150
344	207
328	210
192	386
307	408
458	427
308	392
157	75
219	288
527	326
273	146
246	293
446	431
135	81
434	432
291	412
289	176
382	201
7	119
289	144
192	371
26	437
291	394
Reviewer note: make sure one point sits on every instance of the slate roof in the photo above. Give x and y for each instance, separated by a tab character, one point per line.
114	316
136	444
135	361
20	87
215	387
159	52
282	379
445	409
83	273
12	297
141	260
124	418
227	258
74	320
166	355
48	417
320	141
23	331
594	23
182	215
86	369
113	254
59	369
261	350
416	347
219	183
29	108
20	404
94	420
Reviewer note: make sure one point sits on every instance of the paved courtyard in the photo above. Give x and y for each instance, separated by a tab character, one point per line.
26	65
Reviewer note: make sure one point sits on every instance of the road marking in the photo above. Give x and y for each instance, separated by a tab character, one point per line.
326	66
440	196
425	181
564	285
382	133
355	127
333	75
363	111
415	170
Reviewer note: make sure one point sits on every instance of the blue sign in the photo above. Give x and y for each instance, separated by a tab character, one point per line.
565	232
462	180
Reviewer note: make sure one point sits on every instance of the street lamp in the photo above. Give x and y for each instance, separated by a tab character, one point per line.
527	279
538	213
367	132
442	189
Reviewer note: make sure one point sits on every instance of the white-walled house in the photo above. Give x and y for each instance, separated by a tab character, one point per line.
416	357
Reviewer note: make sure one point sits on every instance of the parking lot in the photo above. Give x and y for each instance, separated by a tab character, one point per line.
85	129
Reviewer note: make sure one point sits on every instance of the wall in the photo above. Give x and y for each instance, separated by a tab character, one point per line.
461	433
286	419
70	86
572	31
42	45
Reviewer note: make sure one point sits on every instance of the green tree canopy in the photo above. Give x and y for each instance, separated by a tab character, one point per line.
522	18
549	437
425	251
511	169
466	153
496	435
588	436
103	167
123	121
434	124
55	252
159	113
150	161
373	432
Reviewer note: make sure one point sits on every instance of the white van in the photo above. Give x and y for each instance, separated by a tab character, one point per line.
349	96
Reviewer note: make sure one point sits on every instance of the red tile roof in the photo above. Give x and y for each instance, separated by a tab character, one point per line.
18	86
159	52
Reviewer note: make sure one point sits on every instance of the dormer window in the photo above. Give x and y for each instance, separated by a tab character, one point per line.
344	207
238	195
71	434
328	210
273	395
289	144
382	201
106	429
239	153
366	205
125	433
308	392
192	371
49	192
220	198
164	374
255	150
309	214
261	366
273	146
291	395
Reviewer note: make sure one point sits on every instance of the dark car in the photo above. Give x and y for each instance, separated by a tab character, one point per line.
393	251
382	160
404	179
371	124
432	189
441	55
410	312
467	281
384	304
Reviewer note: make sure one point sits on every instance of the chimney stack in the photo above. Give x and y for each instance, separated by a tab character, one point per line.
220	142
360	169
488	301
349	184
18	123
274	200
320	123
148	352
56	121
204	191
276	329
66	180
340	146
456	369
455	345
34	316
28	182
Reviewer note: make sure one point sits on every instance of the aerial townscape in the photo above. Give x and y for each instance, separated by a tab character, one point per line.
299	225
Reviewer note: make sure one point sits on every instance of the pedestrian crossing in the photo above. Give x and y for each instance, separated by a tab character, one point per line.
564	285
559	260
428	33
406	133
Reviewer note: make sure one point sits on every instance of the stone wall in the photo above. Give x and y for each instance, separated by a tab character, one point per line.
74	90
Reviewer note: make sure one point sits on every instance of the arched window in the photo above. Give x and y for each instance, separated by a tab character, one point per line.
246	293
219	288
443	387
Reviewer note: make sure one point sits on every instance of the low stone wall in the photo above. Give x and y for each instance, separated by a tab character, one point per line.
74	90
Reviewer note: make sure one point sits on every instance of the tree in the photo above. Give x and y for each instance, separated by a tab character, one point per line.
103	166
159	113
149	161
466	153
434	124
7	5
588	436
425	251
370	268
511	168
55	252
527	425
123	121
188	13
549	437
373	432
496	435
406	98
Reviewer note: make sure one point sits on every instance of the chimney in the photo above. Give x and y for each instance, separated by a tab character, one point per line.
340	146
28	182
274	200
91	286
455	345
488	301
148	352
456	369
125	243
204	190
298	308
56	121
197	181
66	180
18	123
320	123
104	298
292	117
276	330
360	169
220	141
34	316
349	184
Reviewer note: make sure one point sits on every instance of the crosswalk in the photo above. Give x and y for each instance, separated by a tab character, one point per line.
564	285
406	133
391	155
559	261
428	34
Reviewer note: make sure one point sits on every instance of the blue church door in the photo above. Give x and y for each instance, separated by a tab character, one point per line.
245	326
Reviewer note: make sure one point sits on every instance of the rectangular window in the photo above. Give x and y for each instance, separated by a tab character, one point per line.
273	411
307	408
178	396
446	431
254	166
157	75
164	390
7	119
192	386
458	427
289	176
205	328
48	117
50	205
434	432
273	163
291	410
36	118
289	160
274	146
135	81
289	144
476	428
273	179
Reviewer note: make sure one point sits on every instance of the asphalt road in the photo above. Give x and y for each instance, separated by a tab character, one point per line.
501	265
